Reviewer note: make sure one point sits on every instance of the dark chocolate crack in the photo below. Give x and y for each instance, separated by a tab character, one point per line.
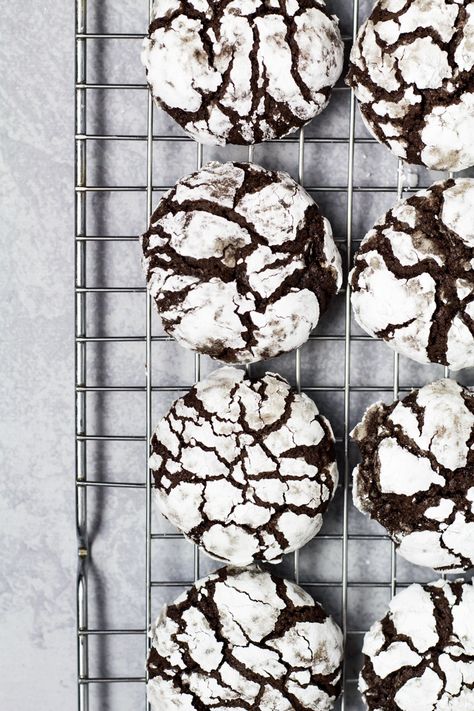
452	261
403	133
449	657
278	672
404	514
304	263
296	473
269	116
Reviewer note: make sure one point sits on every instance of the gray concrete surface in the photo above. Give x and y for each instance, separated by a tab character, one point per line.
37	552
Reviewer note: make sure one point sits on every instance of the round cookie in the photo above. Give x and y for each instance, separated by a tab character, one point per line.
240	262
245	469
246	640
416	477
420	656
243	71
412	71
413	279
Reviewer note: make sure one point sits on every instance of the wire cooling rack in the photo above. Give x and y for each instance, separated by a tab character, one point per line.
341	571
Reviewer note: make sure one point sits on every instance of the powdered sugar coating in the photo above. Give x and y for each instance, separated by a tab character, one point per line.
420	656
412	71
417	472
245	469
246	250
244	639
413	279
242	72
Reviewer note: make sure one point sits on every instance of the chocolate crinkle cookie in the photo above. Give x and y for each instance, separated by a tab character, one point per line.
412	71
242	71
243	639
240	262
420	656
416	477
413	279
244	468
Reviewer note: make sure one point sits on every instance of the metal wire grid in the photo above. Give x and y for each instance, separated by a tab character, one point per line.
82	339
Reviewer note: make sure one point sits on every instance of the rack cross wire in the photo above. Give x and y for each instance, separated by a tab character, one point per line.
83	139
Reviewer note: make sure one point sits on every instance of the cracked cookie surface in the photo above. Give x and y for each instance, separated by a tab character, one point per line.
416	477
412	71
420	656
242	72
240	262
245	469
243	639
413	277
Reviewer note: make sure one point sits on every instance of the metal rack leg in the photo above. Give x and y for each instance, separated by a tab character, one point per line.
197	375
148	375
296	560
396	390
347	363
80	364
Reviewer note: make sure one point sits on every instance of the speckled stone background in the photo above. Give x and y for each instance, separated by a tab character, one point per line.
37	568
38	552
